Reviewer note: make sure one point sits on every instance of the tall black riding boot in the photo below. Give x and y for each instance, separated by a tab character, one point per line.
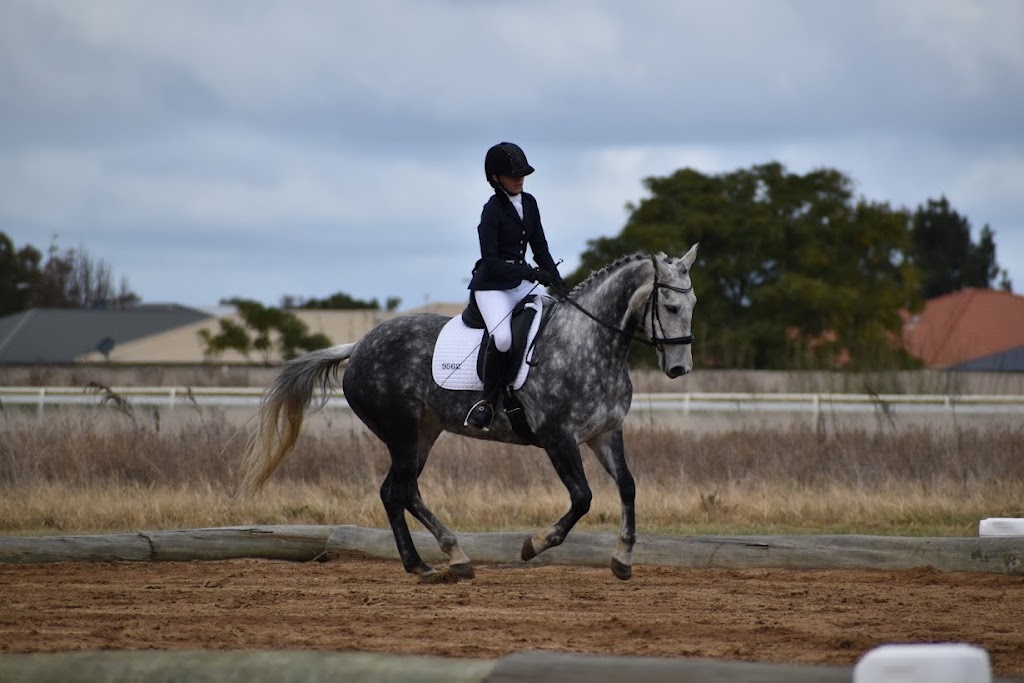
495	377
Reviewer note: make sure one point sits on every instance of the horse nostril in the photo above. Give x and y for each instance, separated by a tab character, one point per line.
676	371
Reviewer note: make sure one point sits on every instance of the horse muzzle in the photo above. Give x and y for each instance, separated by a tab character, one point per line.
677	361
677	371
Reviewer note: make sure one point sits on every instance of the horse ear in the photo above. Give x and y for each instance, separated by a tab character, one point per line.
690	256
661	263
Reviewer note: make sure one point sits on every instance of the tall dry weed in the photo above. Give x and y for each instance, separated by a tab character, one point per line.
91	470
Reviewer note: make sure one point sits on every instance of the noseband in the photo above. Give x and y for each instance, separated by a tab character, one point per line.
653	340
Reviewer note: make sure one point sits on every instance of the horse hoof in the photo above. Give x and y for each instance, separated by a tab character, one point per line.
434	577
462	571
528	552
621	571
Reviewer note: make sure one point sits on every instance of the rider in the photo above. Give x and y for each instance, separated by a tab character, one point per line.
510	221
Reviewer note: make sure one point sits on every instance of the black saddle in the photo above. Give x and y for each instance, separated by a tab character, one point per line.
522	319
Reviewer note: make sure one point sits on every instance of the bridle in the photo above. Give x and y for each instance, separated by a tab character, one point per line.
652	302
653	339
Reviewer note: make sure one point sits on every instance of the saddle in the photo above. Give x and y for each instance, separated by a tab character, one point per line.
465	336
522	321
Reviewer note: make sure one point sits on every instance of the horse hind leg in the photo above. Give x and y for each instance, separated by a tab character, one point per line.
610	452
400	492
459	563
392	497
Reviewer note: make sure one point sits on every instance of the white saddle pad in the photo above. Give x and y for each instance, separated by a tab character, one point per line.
456	349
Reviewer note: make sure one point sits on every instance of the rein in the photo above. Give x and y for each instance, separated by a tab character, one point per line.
652	302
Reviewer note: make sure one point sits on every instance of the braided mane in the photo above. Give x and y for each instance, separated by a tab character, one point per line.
601	274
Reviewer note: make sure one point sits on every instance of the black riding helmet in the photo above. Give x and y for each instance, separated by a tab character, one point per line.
507	159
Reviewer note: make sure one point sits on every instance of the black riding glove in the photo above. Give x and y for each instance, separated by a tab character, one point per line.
543	277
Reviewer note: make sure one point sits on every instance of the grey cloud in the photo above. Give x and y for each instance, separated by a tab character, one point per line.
275	129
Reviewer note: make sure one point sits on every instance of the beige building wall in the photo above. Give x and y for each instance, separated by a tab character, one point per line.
183	344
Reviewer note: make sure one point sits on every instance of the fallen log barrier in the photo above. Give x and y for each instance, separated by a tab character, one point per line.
236	667
991	554
293	666
285	542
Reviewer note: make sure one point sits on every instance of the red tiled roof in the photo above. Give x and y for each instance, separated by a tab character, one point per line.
964	326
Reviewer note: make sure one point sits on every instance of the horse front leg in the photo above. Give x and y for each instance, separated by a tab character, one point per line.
567	462
611	453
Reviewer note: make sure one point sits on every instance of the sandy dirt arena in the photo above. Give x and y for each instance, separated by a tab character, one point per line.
352	604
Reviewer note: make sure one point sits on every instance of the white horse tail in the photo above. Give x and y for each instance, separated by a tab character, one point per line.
282	409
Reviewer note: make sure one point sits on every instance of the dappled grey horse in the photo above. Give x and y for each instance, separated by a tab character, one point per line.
578	391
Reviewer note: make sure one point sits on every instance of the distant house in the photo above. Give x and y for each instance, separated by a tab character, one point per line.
182	345
157	333
61	335
973	329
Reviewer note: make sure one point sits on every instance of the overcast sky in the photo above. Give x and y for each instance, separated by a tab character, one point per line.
254	148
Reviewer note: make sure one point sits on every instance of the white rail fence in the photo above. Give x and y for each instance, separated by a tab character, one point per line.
681	403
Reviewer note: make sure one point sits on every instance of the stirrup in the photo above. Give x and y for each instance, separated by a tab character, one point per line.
480	415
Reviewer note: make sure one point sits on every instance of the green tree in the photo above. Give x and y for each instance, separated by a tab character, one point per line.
793	271
231	336
72	278
264	329
295	337
942	249
19	272
339	301
69	278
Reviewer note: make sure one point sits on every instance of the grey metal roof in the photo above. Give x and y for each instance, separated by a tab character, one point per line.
1011	360
58	335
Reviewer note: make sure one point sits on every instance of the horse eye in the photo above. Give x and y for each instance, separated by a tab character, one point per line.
672	309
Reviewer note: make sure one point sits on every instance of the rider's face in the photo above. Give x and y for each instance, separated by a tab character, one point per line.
511	185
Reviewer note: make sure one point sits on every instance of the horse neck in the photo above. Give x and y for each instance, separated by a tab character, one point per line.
616	299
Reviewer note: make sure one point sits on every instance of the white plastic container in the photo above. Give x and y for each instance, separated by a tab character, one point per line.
924	663
1001	526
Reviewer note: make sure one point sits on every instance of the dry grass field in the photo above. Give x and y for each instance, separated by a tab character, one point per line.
100	470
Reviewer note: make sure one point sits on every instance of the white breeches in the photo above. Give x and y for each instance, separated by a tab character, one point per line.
496	308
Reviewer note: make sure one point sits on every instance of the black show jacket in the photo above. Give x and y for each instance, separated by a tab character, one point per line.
503	240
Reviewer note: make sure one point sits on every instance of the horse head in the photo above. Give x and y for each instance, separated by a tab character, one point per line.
668	310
